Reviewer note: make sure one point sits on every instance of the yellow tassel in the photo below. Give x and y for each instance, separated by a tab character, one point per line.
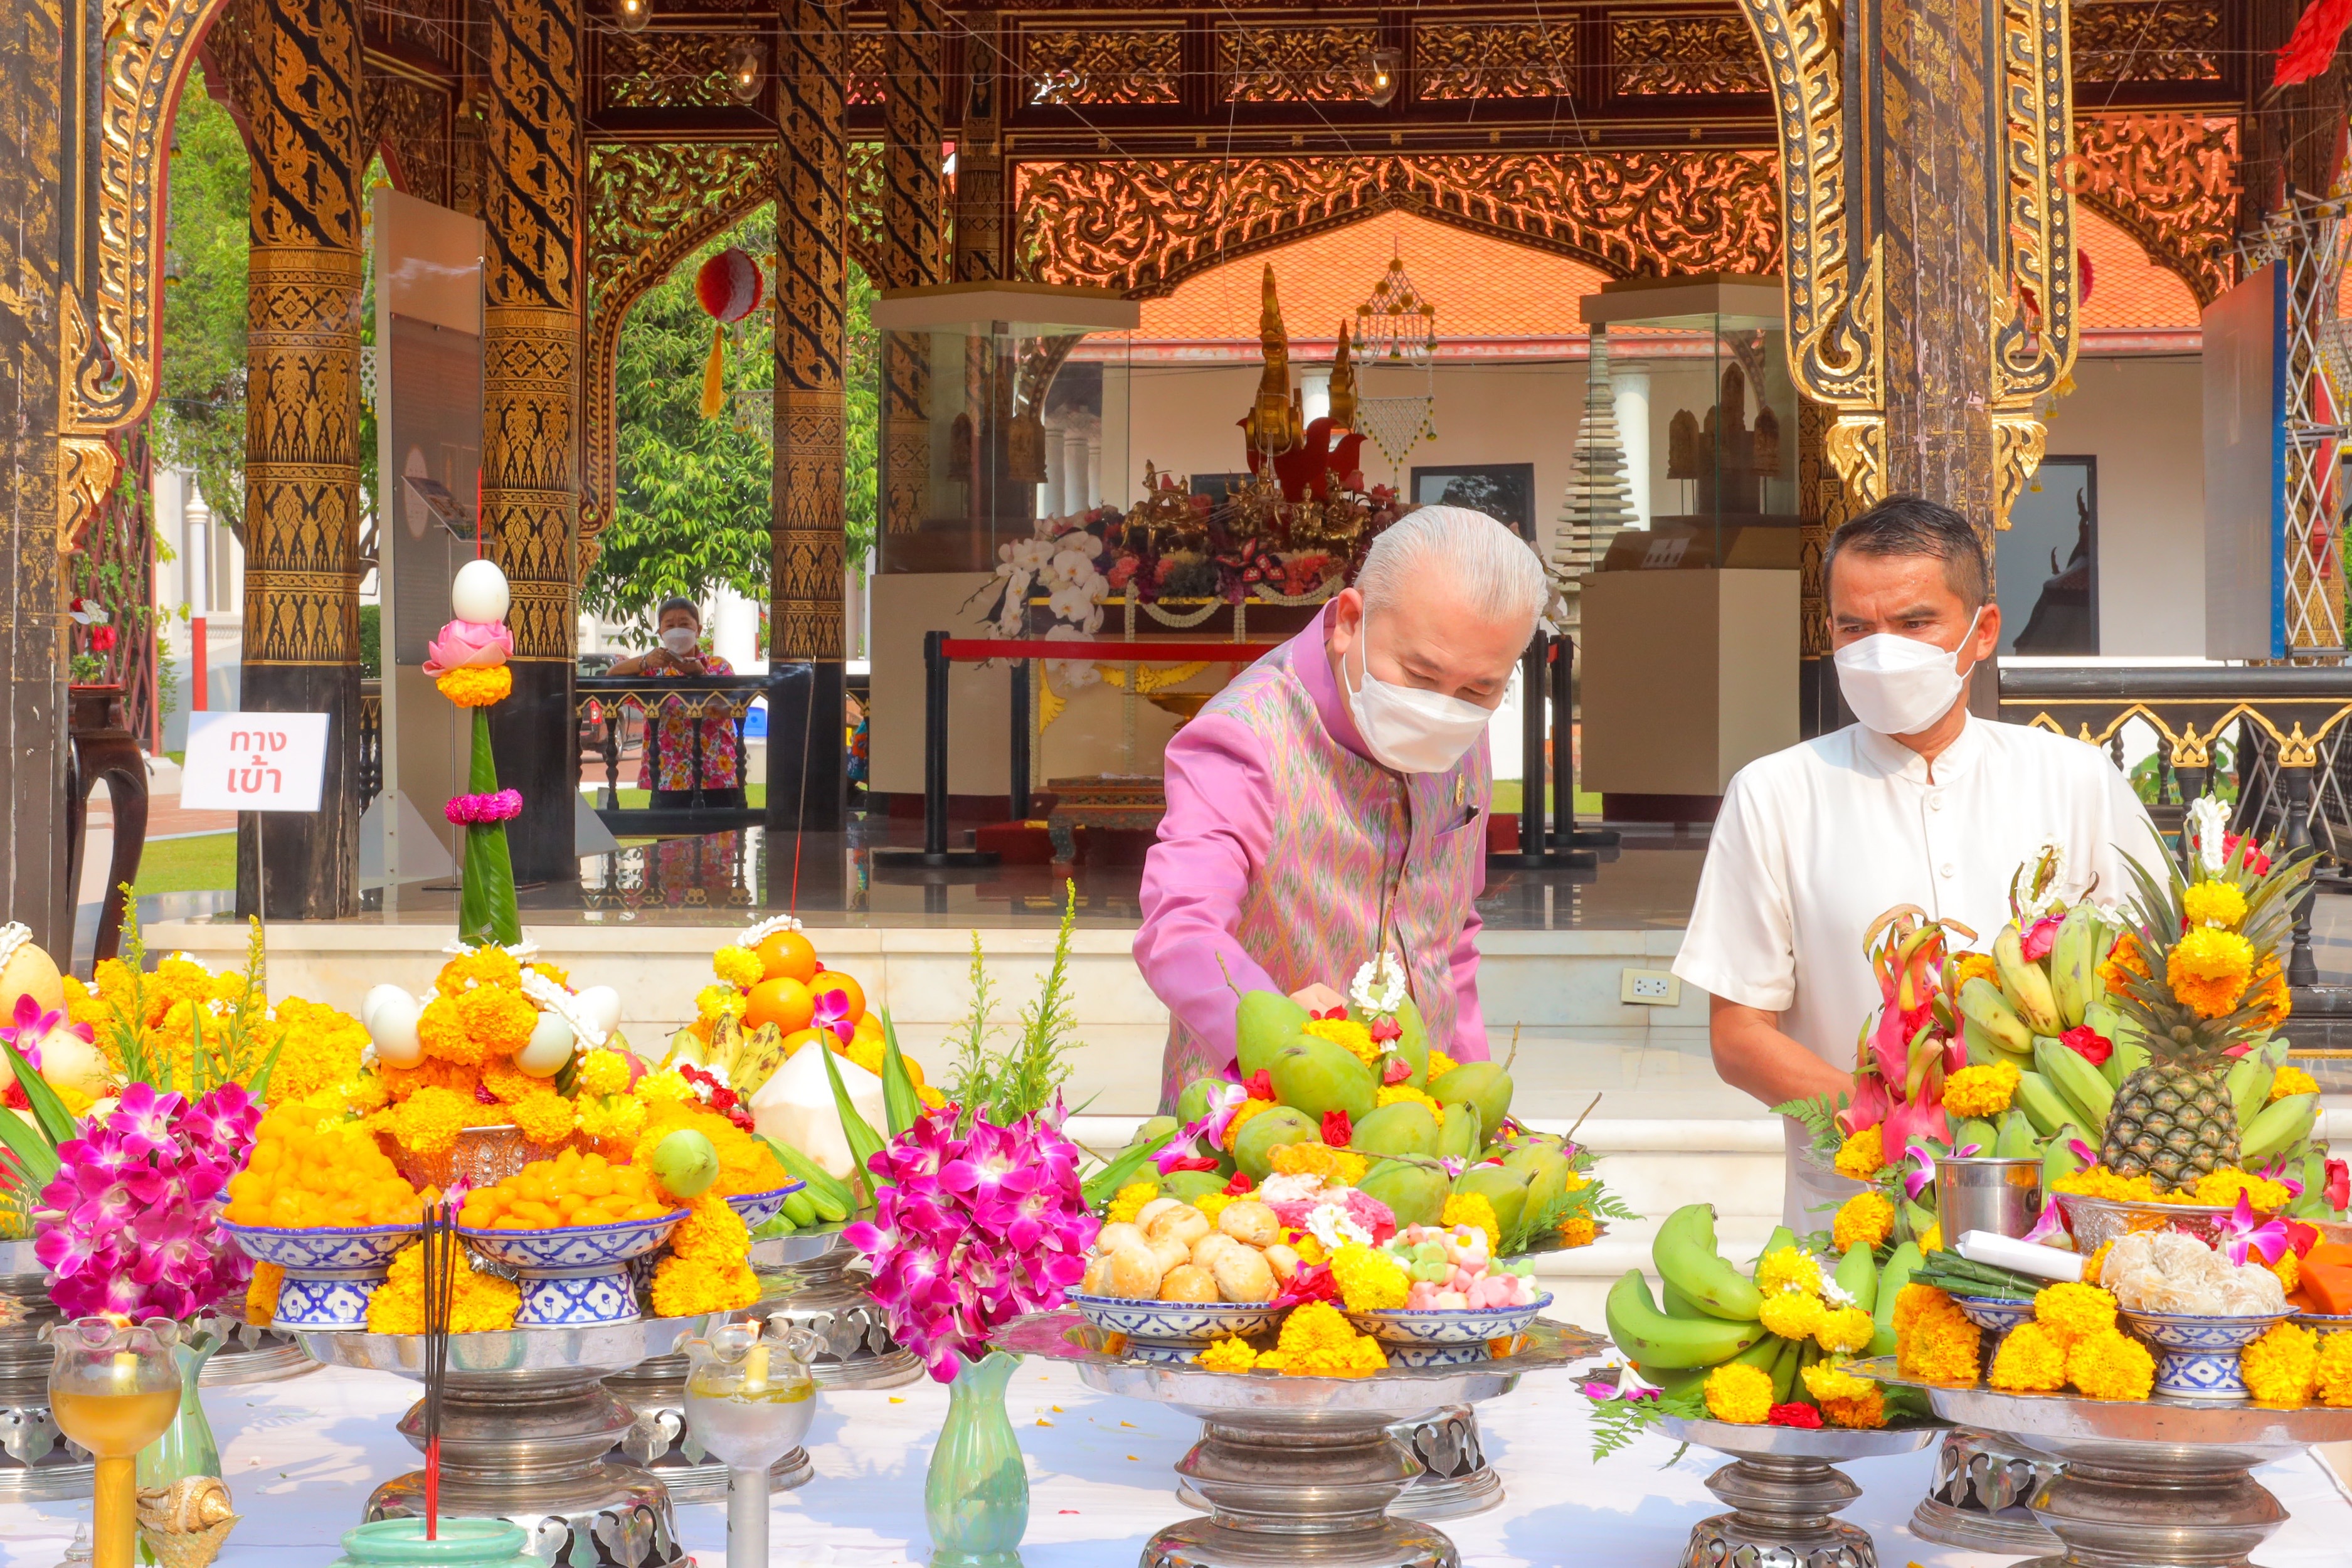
714	373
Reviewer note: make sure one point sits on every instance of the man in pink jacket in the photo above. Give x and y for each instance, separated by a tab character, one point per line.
1340	781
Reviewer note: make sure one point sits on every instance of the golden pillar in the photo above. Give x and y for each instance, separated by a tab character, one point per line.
979	254
912	254
806	588
302	440
532	344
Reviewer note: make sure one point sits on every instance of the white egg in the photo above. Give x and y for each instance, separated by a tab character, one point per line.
393	1027
479	592
600	1005
548	1047
375	997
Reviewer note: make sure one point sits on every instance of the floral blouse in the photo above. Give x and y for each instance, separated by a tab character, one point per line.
668	759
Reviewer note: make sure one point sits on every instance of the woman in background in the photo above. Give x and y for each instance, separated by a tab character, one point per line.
673	736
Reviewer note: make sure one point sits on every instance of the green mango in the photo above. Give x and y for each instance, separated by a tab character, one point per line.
1459	1133
1264	1023
1414	1193
1318	1076
1546	1169
1406	1128
1413	1044
1254	1147
1198	1097
1193	1185
1483	1084
1501	1186
1153	1127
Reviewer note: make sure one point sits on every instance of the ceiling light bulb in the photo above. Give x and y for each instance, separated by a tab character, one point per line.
632	15
747	62
1379	75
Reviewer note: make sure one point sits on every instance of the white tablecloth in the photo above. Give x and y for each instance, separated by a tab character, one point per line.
302	1456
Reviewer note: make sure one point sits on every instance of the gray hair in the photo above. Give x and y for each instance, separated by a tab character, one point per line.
1493	567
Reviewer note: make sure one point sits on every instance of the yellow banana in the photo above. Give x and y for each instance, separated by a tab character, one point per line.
2024	983
1982	1004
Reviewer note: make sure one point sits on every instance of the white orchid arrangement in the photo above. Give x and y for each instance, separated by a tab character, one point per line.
1075	589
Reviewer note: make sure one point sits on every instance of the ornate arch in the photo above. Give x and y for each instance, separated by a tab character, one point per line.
408	123
1143	225
108	304
651	205
2169	180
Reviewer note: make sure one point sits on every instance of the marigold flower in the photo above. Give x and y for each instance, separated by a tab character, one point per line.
1791	1314
2072	1312
261	1292
2210	970
545	1117
667	1087
711	1232
1346	1032
1827	1380
1317	1342
617	1119
1788	1269
1863	1413
2289	1268
1213	1205
738	966
1241	1118
1130	1202
1398	1093
498	1021
601	1073
483	966
472	686
1843	1331
2098	1182
478	1303
2097	1263
688	1286
715	1002
1864	1219
2111	1366
512	1086
2220	1190
1974	966
2293	1079
2268	996
2335	1370
428	1121
2124	962
1983	1090
1578	1230
1440	1064
2282	1366
2030	1360
1933	1338
1337	1167
2213	904
1739	1393
1369	1279
1228	1356
1862	1155
1473	1209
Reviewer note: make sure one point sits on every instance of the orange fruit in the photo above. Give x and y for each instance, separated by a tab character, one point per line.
868	1027
851	993
787	954
799	1038
781	1001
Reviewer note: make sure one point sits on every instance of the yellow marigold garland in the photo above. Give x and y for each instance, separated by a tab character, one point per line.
1866	1219
1974	966
2210	970
2124	962
1475	1209
1984	1090
1347	1033
474	686
1339	1167
483	966
1845	1400
1739	1393
1130	1202
1242	1117
1399	1093
479	1303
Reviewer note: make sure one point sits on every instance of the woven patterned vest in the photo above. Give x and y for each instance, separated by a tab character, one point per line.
1344	829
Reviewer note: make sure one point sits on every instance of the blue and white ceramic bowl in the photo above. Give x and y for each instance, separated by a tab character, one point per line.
2197	1357
574	1275
756	1209
330	1273
2325	1323
1995	1316
1445	1327
1177	1323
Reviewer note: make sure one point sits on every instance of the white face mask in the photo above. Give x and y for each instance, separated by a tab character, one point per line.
681	640
1898	685
1406	728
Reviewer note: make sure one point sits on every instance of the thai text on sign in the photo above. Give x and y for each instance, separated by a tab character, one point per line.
254	762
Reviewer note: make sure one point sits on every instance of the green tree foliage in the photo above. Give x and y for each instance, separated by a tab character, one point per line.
200	407
693	503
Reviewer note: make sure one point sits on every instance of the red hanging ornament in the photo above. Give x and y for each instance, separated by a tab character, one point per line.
728	288
2310	48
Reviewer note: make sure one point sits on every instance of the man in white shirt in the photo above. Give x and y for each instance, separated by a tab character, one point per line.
1920	803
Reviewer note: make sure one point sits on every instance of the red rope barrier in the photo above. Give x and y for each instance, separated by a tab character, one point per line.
1105	650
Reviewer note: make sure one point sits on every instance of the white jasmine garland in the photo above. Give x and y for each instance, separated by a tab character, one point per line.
2208	826
13	935
555	999
1289	1186
753	935
1329	1223
1835	1294
1379	985
521	952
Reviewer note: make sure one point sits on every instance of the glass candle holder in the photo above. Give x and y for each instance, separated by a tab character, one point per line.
750	1399
113	1388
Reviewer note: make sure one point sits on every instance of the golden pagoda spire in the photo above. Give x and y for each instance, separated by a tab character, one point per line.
1343	384
1273	421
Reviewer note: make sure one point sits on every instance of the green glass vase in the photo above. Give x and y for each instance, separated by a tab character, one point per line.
186	1447
976	1496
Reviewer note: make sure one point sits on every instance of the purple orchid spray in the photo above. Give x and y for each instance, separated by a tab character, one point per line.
972	1231
131	1222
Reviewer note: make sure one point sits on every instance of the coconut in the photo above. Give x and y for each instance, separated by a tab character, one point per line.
795	1106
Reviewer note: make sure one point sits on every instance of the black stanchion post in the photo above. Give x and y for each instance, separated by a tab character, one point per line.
1565	834
934	855
1532	856
1019	793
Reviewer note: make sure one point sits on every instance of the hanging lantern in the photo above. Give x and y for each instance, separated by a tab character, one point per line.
747	62
728	288
1378	73
632	15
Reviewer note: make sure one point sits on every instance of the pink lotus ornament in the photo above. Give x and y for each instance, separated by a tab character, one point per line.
469	644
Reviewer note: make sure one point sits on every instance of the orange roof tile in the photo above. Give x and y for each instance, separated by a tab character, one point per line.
2128	291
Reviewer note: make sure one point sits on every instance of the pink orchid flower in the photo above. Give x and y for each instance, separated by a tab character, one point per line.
463	645
2243	1236
833	1013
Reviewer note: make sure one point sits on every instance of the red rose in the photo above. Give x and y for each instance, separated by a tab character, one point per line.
2039	939
2088	1043
1794	1413
1396	1072
1260	1084
1337	1128
102	638
1387	1029
2339	1184
1190	1163
1333	1013
2256	861
1239	1184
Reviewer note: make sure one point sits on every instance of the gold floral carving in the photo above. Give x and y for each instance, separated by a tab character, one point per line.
2033	319
1837	334
2148	40
1684	54
1315	63
665	70
980	153
2170	181
869	66
912	254
435	28
1494	59
1111	64
1141	226
806	609
408	123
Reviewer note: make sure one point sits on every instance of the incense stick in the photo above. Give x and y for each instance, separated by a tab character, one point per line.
440	1287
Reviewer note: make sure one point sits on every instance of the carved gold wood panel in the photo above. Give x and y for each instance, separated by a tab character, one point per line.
2170	181
1494	59
1316	63
805	583
663	71
1684	54
2033	338
409	123
869	65
433	27
1104	65
1142	225
2149	41
913	253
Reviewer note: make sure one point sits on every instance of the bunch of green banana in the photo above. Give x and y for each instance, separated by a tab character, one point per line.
2076	1088
824	1199
2082	944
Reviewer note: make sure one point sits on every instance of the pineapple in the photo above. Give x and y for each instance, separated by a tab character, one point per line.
2173	1120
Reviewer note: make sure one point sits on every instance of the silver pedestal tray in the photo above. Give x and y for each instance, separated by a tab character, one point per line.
1455	1481
809	1279
38	1462
527	1435
1295	1469
660	1439
2155	1482
1783	1484
1979	1496
251	1353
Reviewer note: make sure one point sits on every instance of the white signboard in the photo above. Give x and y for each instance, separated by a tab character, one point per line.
254	762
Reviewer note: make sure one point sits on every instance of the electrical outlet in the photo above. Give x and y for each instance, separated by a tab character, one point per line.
1650	988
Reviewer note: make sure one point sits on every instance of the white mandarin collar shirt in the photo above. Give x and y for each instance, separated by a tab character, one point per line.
1816	842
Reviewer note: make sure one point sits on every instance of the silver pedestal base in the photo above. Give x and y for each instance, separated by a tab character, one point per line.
1299	1493
1455	1481
253	1354
1779	1518
2149	1519
808	1280
659	1439
1979	1500
38	1462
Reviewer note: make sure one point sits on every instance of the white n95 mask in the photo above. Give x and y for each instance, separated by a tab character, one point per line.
1898	685
1406	728
681	640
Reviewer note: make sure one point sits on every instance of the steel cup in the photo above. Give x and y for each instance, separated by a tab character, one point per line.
2003	1196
